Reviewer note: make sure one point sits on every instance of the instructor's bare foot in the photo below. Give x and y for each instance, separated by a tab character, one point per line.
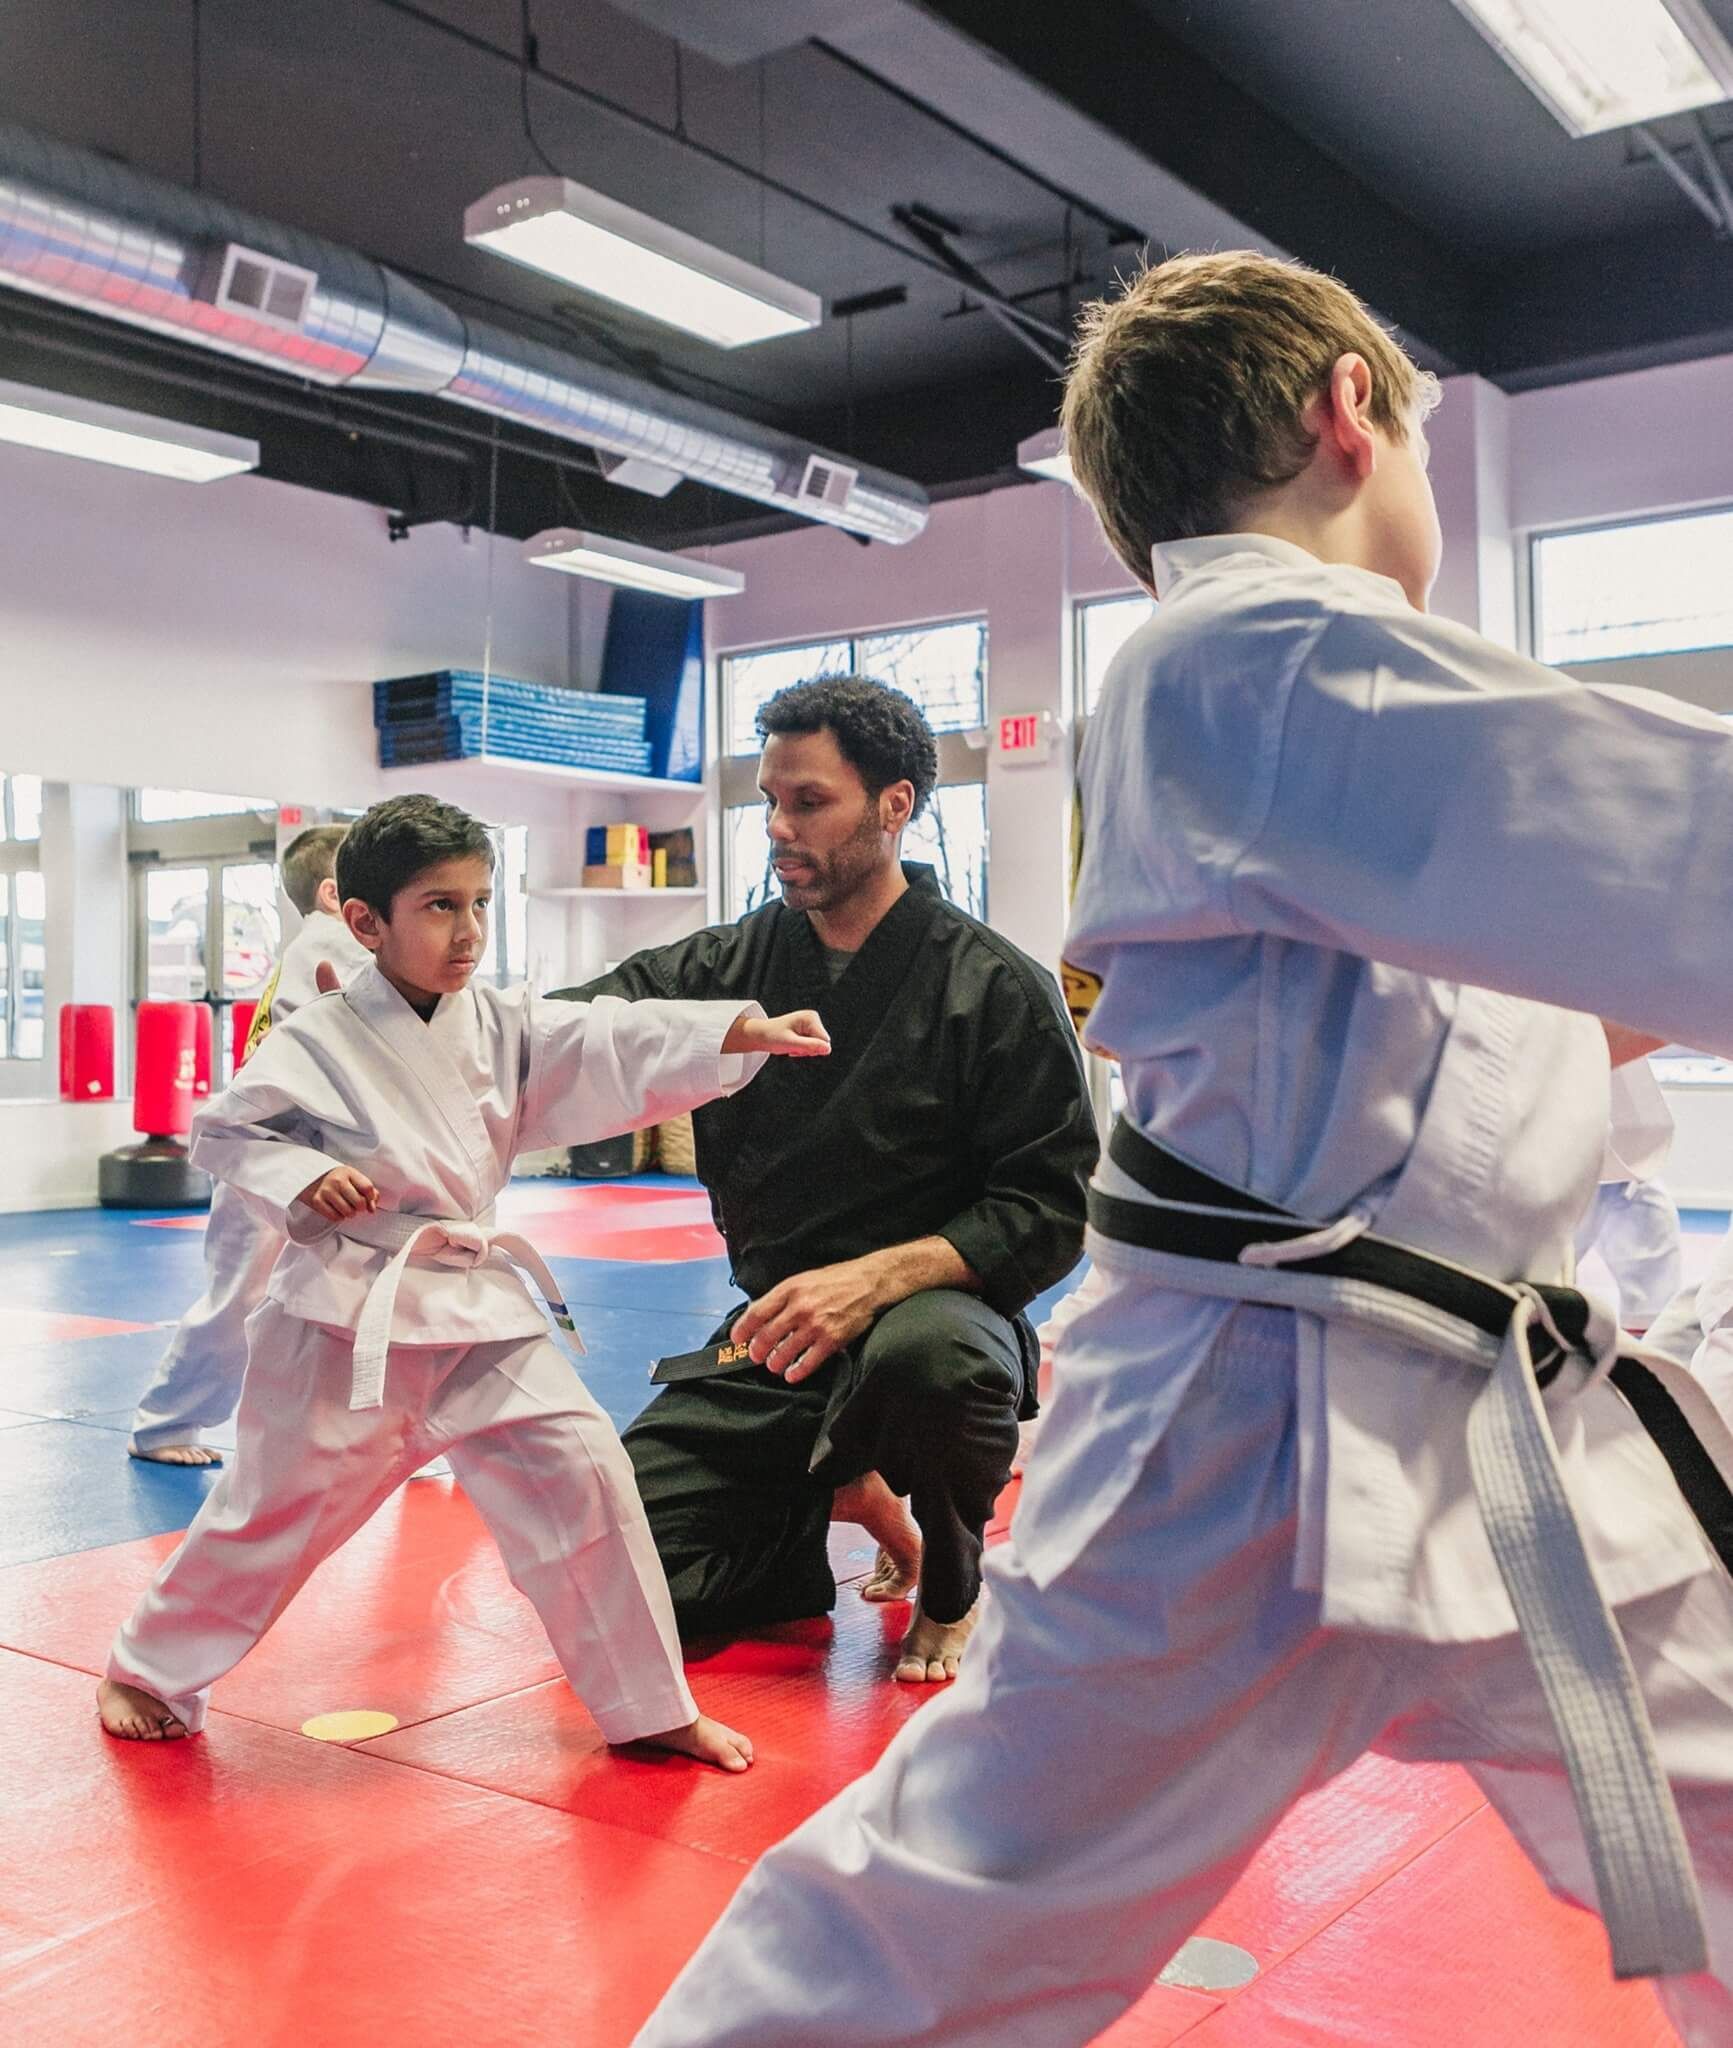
932	1650
177	1454
135	1715
709	1741
871	1503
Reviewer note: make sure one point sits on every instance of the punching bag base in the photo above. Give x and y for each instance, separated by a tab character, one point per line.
153	1174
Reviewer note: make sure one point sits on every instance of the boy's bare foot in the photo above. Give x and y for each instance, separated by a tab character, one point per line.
709	1741
871	1503
932	1650
135	1715
177	1454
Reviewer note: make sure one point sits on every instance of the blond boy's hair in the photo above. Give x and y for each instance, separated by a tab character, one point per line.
309	859
1186	392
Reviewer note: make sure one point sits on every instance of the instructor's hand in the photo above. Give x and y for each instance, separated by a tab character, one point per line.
342	1192
802	1323
801	1035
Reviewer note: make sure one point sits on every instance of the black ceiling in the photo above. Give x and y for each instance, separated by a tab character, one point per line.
1385	142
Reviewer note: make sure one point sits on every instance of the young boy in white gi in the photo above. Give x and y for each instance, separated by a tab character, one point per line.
378	1125
199	1380
1282	1514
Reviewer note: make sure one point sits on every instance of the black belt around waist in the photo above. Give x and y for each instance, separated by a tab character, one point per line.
1194	1231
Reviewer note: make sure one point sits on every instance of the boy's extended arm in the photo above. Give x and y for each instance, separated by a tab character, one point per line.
1445	806
602	1067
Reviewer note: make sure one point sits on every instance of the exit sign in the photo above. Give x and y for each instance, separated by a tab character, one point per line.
1025	736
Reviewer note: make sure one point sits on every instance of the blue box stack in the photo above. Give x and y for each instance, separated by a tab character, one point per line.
449	716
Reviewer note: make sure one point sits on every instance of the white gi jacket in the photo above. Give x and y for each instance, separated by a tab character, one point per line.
294	980
434	1114
1331	916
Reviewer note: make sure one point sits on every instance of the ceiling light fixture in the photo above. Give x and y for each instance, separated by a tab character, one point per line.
588	240
1043	454
108	433
1601	64
621	561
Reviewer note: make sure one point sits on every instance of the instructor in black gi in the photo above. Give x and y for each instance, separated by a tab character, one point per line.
889	1212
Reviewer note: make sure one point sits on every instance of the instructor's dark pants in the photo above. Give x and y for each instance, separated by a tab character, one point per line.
737	1471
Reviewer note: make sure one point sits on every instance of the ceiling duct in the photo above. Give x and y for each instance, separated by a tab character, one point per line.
97	235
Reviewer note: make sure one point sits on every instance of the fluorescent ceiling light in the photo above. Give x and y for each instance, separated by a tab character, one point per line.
1043	454
109	433
1609	63
588	240
619	561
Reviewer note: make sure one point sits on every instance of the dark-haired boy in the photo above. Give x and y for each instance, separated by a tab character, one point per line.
889	1215
199	1380
377	1126
1357	885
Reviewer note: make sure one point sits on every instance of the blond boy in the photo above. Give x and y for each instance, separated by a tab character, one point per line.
1357	887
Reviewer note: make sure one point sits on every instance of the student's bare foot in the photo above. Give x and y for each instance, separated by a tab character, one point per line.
709	1741
177	1454
932	1650
135	1715
871	1503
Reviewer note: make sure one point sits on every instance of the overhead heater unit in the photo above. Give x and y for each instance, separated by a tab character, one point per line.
1043	454
623	562
593	242
1599	64
827	483
61	425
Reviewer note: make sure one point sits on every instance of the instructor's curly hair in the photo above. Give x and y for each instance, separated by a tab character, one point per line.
882	734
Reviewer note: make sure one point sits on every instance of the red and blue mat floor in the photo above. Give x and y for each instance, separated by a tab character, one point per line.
487	1872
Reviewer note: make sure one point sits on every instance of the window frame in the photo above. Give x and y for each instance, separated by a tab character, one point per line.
1532	579
21	1074
962	751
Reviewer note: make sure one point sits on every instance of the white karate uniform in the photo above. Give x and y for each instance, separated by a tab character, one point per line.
199	1379
1632	1224
331	1419
1321	830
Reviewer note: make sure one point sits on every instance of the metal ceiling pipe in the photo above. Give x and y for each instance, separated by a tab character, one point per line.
79	229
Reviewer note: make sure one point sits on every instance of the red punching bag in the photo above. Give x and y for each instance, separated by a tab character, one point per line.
165	1077
86	1052
165	1068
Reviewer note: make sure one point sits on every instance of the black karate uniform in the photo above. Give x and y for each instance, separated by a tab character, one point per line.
953	1104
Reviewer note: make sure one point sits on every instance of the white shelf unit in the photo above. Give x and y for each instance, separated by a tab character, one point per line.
601	896
580	778
605	925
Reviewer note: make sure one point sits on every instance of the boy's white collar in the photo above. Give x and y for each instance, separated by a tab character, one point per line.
1182	557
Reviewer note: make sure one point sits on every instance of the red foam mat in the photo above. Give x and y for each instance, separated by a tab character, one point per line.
1462	1948
256	1890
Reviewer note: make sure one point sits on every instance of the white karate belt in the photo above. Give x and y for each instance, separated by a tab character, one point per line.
1645	1885
440	1241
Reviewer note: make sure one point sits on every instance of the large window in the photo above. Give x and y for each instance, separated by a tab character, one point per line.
1660	586
944	669
1104	625
23	919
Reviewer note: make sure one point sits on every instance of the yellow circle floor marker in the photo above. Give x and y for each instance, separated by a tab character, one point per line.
354	1725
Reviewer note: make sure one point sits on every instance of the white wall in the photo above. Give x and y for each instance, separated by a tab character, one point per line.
224	637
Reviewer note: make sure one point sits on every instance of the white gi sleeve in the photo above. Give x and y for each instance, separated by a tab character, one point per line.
266	1134
609	1065
1442	805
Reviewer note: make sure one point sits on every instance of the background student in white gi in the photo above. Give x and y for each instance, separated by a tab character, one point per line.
378	1125
1352	878
199	1380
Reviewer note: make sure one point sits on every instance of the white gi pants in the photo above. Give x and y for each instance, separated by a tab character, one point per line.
1033	1847
199	1380
540	1460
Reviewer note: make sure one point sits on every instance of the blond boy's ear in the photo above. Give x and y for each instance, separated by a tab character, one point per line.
327	899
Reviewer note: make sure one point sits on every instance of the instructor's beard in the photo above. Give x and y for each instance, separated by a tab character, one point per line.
838	874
